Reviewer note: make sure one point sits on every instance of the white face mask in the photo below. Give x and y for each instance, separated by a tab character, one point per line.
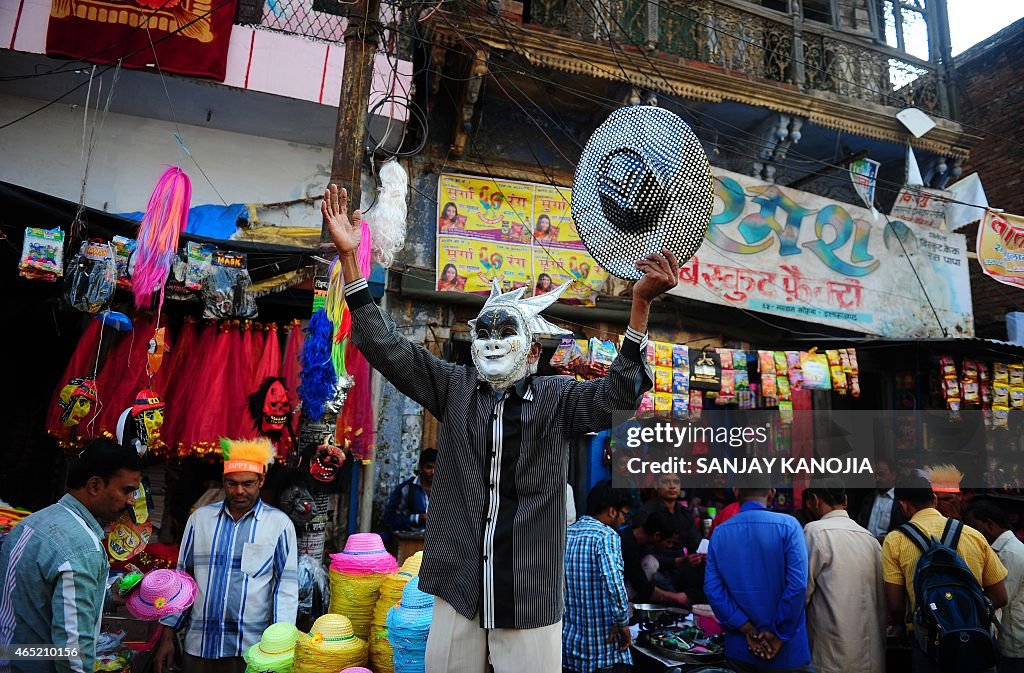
501	347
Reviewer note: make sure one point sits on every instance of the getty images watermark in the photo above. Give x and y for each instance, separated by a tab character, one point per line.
749	447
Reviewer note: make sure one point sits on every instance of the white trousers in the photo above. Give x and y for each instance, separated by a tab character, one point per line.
460	645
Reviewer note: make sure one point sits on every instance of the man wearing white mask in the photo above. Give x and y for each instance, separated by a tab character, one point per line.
495	540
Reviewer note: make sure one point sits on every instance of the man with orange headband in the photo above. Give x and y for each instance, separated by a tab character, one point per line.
242	554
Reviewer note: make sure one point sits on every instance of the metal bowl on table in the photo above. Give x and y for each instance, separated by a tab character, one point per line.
652	613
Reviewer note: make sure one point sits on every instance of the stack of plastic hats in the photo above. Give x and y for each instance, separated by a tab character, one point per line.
275	651
390	593
356	577
329	647
408	627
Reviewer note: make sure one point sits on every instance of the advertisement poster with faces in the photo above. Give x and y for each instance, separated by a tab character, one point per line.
521	233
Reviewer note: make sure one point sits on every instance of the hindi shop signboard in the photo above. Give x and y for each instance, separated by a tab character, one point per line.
1000	247
785	252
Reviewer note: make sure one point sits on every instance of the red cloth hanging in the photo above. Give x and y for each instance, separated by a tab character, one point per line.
270	360
239	367
291	365
123	375
169	381
81	363
206	406
259	341
356	423
183	399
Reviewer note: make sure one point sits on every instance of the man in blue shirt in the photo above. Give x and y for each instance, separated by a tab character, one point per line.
756	583
407	506
595	626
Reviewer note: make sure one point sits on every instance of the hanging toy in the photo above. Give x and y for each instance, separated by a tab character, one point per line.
76	400
166	217
271	410
389	216
139	426
155	351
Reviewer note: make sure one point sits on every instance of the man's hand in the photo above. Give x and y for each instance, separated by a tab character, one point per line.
661	273
754	643
679	597
771	644
621	636
335	211
695	559
164	657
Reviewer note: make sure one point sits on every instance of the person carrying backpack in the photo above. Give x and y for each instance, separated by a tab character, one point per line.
959	577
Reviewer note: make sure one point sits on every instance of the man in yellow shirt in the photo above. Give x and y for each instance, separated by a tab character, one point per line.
900	556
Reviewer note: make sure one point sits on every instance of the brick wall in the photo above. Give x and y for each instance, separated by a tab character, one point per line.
991	84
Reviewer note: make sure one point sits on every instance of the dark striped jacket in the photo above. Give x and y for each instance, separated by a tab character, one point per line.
495	539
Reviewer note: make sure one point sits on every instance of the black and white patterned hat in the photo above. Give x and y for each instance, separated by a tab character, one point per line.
642	184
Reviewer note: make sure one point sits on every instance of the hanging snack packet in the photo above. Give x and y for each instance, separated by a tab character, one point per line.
124	248
681	358
567	357
646	407
816	375
42	255
680	407
782	384
1017	375
1002	373
838	379
227	287
781	362
200	259
725	355
971	392
786	412
853	380
696	405
739	359
768	386
728	383
662	354
1000	417
602	355
986	393
663	404
91	278
742	380
1000	395
951	387
766	362
681	382
1016	397
947	365
662	380
834	360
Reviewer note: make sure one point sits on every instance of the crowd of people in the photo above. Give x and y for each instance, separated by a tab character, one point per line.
815	591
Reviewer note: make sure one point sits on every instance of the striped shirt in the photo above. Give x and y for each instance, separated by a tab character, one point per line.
53	582
247	572
595	597
495	540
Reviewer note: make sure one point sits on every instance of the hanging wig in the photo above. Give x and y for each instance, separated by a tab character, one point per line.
166	217
388	217
318	377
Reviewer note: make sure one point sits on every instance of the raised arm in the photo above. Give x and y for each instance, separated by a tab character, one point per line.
588	405
411	368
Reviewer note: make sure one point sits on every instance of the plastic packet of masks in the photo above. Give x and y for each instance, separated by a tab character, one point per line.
124	248
42	255
567	357
91	277
227	287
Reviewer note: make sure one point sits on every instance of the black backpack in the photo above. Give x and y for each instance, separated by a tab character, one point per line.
954	619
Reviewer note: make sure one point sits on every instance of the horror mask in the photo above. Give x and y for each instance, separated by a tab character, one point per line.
277	408
147	415
327	460
297	502
76	400
504	332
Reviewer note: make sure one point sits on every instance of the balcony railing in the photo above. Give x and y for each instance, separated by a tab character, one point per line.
317	19
757	42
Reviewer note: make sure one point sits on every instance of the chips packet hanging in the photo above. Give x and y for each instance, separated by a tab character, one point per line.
567	357
662	354
662	380
725	354
681	358
696	405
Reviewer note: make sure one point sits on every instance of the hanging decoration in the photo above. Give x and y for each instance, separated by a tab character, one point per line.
165	218
389	217
76	400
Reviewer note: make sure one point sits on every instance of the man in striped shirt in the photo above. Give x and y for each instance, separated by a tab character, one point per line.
495	540
53	566
595	627
242	554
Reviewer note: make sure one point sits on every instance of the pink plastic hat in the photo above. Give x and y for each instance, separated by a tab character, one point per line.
162	593
364	553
